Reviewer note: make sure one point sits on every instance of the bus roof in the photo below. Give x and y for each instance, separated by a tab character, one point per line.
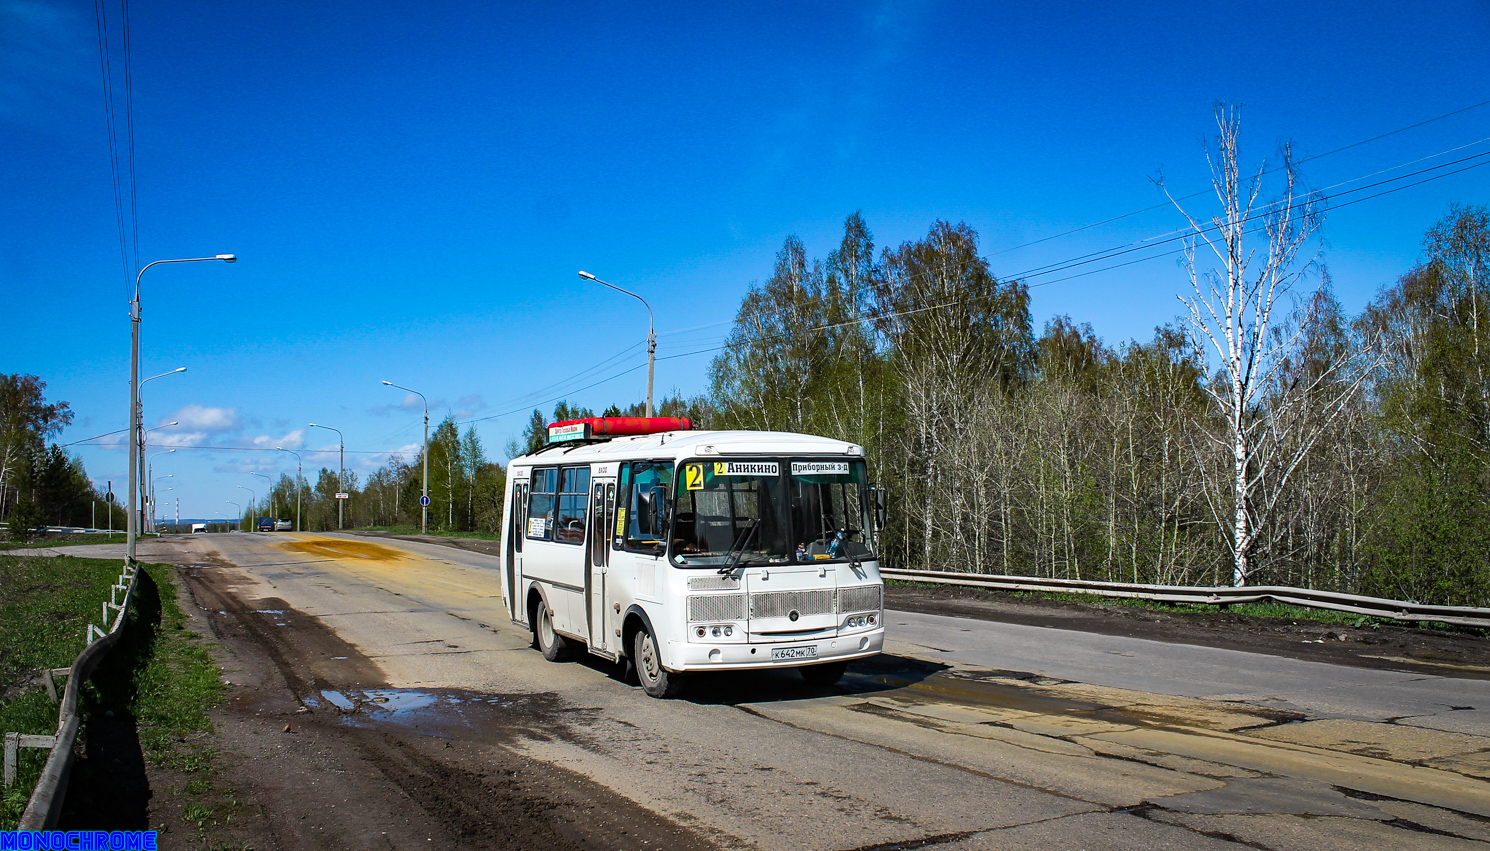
689	444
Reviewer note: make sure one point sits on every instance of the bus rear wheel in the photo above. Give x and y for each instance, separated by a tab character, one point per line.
825	674
555	647
655	680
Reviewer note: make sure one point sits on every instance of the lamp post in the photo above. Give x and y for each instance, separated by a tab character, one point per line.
252	498
134	398
147	469
240	511
341	469
272	513
153	504
651	331
140	409
299	470
424	494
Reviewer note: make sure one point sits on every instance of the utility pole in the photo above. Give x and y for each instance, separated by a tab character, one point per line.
340	473
651	331
424	493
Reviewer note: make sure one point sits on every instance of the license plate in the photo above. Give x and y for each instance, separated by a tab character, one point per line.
794	652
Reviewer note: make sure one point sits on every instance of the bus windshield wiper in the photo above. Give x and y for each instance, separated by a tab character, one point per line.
737	549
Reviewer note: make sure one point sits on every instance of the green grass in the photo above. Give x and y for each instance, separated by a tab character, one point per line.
176	687
414	530
69	541
159	672
1255	610
45	607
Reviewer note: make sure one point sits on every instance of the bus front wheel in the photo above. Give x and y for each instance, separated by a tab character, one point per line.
656	680
555	647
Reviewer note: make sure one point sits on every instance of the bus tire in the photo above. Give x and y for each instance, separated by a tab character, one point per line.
825	674
555	647
655	680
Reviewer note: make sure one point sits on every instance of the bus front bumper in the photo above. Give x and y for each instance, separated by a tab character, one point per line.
693	656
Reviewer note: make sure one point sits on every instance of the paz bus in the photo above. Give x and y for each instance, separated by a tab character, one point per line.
673	551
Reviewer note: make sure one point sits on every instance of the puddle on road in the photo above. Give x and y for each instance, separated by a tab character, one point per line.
453	713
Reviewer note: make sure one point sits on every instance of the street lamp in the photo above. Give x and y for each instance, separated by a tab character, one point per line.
134	399
154	506
651	332
252	498
273	514
424	495
240	512
148	471
299	469
341	469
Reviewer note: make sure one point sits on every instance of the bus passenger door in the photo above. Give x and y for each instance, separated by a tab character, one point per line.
602	619
515	534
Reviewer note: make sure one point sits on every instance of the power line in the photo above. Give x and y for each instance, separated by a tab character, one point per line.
129	121
1270	171
100	17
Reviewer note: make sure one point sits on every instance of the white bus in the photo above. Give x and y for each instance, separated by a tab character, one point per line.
677	551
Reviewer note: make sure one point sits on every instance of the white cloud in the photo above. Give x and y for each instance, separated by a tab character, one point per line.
291	440
178	439
206	419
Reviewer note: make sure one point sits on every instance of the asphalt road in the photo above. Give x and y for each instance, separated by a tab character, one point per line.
964	735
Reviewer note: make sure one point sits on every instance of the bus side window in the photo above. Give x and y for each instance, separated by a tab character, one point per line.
541	504
574	484
647	504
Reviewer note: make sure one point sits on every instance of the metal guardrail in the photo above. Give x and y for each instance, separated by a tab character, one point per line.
1376	607
45	804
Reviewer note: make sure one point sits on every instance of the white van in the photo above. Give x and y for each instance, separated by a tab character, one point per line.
198	527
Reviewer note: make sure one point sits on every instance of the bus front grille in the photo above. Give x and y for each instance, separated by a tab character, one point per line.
716	607
779	604
862	598
713	583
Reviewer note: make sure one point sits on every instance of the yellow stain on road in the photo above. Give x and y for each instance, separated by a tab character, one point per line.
435	582
338	548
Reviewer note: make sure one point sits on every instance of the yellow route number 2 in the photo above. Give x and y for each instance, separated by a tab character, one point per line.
693	477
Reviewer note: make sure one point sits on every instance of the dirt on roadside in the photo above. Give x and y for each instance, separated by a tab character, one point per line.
1386	647
315	750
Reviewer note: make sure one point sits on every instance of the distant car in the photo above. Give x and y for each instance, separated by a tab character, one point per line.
198	527
266	524
283	525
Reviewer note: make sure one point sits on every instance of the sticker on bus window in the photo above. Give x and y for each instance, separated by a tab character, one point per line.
620	522
537	526
747	468
819	468
693	477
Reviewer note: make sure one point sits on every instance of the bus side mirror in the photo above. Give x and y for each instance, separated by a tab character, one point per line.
880	502
651	512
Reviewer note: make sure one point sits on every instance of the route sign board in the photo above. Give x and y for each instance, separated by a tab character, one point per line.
343	496
424	501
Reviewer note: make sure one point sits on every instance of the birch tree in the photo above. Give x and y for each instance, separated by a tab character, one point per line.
1235	326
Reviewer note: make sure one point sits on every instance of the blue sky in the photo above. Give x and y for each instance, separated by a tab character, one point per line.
412	189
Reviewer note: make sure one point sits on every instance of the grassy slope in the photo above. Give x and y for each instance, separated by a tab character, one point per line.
159	674
45	607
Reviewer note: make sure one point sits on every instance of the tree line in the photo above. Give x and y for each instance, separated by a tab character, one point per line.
43	485
1263	436
1356	459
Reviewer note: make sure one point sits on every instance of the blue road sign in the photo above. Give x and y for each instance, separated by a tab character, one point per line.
424	501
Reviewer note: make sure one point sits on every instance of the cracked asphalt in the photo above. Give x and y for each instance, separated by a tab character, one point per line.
966	734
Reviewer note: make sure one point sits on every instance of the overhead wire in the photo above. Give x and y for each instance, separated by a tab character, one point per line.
129	121
1150	209
105	66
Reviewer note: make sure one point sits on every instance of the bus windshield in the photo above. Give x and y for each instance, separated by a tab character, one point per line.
770	512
